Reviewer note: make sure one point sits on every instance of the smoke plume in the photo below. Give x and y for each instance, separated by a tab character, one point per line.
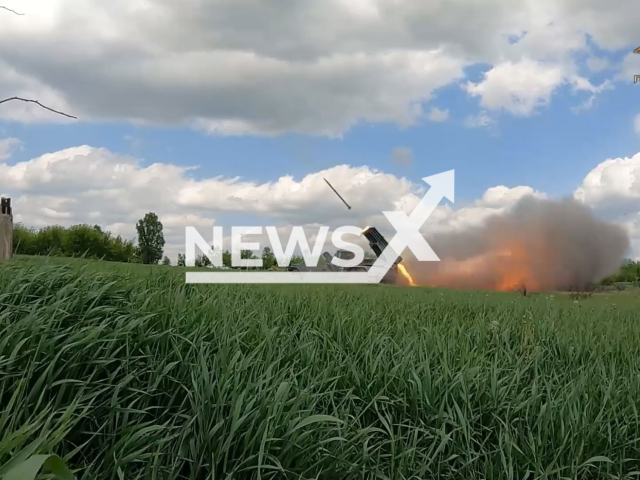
538	244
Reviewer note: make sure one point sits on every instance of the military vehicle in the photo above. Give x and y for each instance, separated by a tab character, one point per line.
377	243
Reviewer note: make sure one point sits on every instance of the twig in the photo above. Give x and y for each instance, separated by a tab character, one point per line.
39	104
9	10
27	100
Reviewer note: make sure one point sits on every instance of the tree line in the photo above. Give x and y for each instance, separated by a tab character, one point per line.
90	241
269	260
629	273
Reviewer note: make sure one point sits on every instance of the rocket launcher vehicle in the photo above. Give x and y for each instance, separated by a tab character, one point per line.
378	243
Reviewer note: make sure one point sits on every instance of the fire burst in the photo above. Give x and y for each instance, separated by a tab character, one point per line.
405	273
537	245
506	269
515	269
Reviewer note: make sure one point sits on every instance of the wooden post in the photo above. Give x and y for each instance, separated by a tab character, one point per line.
6	229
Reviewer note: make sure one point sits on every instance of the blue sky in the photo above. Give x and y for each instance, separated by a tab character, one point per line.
551	150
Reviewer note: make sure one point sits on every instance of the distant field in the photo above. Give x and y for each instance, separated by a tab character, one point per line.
129	373
100	266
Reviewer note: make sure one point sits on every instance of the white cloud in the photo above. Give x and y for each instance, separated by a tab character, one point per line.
320	67
629	68
437	115
7	147
597	64
501	196
611	25
517	87
586	105
613	186
29	87
523	86
583	84
96	186
93	185
613	190
480	120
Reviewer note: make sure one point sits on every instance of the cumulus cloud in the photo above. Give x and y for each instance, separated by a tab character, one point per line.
96	186
437	115
238	89
479	120
7	147
523	86
505	196
517	87
597	64
614	186
629	68
265	68
610	24
613	190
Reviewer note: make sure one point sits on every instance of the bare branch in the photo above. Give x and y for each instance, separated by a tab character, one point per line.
27	100
9	10
39	104
2	7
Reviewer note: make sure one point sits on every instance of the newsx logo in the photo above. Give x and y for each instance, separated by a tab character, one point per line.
407	236
283	257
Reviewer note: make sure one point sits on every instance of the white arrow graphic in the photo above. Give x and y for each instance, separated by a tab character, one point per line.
442	185
408	227
407	236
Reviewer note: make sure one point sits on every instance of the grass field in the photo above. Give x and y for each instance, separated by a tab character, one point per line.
128	373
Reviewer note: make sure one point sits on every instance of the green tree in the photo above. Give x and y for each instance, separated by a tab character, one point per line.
23	240
629	272
121	250
181	260
202	261
226	258
268	258
166	260
150	239
82	241
53	241
75	241
248	255
296	259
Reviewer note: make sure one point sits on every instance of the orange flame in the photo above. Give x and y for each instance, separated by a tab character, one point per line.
405	273
536	246
515	269
506	267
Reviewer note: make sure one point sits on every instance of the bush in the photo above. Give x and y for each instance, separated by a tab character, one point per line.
629	273
75	241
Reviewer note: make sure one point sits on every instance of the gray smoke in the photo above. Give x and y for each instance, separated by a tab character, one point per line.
539	244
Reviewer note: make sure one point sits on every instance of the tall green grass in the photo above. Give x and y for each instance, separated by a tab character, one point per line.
143	377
